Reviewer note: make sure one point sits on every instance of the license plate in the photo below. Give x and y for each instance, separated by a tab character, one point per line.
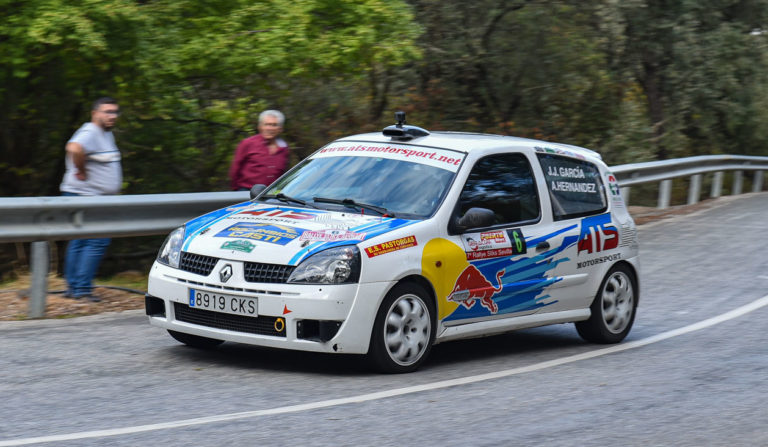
220	302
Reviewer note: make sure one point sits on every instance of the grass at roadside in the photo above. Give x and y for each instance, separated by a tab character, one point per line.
128	280
124	291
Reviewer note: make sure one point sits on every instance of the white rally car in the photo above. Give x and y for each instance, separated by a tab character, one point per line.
387	243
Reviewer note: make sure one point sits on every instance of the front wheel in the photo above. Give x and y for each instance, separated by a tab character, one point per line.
614	307
403	331
195	341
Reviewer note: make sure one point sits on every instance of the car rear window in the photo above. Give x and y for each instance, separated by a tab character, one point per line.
575	187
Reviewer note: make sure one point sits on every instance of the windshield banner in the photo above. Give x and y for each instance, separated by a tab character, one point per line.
439	158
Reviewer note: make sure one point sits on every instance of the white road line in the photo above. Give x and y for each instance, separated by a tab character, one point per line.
735	313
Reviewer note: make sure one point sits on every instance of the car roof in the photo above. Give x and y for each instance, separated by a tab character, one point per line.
468	142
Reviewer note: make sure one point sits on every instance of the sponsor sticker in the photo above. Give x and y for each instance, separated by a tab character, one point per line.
389	247
485	254
264	232
613	187
330	235
598	260
243	246
439	158
597	234
494	244
628	236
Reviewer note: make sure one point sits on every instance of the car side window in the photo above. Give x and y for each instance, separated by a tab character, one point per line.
504	184
575	187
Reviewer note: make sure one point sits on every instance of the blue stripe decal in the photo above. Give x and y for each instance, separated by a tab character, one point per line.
553	234
372	229
205	221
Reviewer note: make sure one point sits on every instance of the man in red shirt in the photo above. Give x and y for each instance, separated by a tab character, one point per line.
262	158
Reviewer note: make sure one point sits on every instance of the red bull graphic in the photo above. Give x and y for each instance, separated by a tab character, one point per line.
521	281
472	286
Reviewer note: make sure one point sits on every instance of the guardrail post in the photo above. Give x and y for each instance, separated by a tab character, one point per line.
665	193
738	181
757	182
717	185
625	194
38	290
694	189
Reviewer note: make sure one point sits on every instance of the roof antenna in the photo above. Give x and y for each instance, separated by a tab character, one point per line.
402	131
400	118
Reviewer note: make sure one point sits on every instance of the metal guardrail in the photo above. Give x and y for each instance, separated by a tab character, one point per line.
42	219
694	167
27	219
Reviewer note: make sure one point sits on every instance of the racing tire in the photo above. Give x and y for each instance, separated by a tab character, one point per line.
403	331
195	341
613	309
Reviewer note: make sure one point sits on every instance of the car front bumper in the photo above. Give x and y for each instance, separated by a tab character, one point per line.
319	318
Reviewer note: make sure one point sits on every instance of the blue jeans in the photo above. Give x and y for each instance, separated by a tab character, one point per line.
82	262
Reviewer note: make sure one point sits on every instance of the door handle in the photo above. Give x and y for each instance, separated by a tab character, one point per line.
543	245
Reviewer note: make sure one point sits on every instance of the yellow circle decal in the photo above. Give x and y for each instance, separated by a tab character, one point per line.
452	260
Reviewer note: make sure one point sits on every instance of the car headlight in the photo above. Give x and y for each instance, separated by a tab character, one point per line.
333	266
170	251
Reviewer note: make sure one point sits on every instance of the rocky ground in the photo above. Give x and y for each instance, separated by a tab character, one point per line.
14	300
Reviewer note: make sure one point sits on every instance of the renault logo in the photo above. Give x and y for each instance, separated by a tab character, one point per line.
225	273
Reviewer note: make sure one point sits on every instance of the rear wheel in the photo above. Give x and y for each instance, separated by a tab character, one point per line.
403	331
195	341
614	307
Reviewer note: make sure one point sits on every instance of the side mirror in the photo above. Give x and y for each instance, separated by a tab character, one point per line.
257	189
474	218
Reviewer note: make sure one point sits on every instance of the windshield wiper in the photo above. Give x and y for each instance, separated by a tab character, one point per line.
283	198
351	203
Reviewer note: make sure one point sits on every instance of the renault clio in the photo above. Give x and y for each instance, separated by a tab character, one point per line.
384	244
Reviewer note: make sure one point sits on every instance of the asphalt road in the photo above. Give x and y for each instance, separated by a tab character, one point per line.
116	381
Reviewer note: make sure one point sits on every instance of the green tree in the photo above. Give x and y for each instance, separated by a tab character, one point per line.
191	76
55	57
702	67
218	63
521	67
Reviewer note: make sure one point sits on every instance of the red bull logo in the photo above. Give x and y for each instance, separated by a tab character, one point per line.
472	286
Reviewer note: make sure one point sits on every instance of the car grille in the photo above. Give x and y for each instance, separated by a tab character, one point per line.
262	325
254	271
269	273
199	264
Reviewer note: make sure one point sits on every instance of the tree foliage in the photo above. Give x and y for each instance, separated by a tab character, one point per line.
634	79
191	77
702	68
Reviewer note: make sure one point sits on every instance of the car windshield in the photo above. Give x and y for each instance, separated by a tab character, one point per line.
397	187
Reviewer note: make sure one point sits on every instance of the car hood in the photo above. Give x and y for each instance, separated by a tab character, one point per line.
276	234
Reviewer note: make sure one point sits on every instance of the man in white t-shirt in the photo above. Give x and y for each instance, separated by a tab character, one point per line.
92	168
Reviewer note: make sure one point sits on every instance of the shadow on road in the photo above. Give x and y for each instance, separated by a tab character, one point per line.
523	344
